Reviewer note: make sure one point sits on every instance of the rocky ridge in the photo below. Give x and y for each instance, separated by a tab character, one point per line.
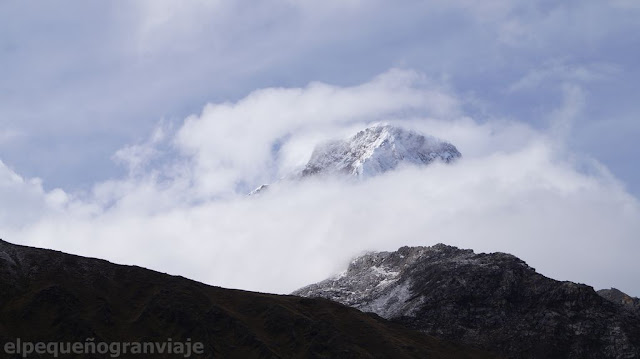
493	301
626	301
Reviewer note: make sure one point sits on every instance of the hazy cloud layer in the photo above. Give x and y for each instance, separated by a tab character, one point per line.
183	208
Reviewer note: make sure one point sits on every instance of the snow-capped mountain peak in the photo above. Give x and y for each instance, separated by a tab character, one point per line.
376	150
372	151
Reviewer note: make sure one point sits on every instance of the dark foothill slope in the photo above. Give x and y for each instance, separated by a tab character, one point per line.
494	301
51	296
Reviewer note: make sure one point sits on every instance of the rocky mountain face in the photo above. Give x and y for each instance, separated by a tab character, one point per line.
376	150
48	296
626	301
493	301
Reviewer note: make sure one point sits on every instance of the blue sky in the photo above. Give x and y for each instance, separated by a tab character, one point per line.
102	101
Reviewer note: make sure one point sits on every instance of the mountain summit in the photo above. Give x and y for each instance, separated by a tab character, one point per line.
376	150
373	151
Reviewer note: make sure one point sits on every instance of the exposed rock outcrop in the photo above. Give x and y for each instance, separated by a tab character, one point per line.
626	301
495	301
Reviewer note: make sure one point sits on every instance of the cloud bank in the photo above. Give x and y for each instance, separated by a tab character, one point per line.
183	208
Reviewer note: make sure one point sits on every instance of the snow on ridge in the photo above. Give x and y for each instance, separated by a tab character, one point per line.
380	282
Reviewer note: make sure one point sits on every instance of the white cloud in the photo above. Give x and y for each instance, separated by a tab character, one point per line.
230	142
137	157
514	190
25	201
